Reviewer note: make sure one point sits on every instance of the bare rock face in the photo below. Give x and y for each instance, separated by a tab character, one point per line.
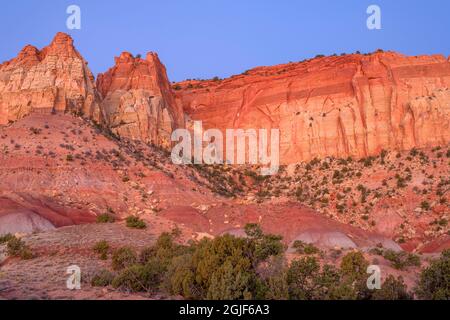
54	79
353	105
138	100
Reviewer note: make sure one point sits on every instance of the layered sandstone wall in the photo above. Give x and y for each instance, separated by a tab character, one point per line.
138	101
55	78
354	105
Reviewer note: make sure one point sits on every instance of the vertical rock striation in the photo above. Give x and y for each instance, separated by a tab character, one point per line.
138	100
353	105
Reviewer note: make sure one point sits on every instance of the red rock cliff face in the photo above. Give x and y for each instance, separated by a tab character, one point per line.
353	105
138	100
54	79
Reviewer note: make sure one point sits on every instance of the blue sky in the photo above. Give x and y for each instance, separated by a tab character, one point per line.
207	38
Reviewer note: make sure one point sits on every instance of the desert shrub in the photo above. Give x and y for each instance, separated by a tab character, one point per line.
17	248
102	249
300	278
222	268
392	289
135	223
230	282
266	245
103	278
401	260
354	265
425	205
138	278
146	254
305	248
434	282
308	281
272	280
354	274
180	277
123	258
6	238
105	218
217	259
165	250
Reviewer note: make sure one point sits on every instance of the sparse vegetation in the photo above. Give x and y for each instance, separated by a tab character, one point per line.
401	260
305	248
434	282
103	278
6	238
135	223
123	258
17	248
102	249
106	218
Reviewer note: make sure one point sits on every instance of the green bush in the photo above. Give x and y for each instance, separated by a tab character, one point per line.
425	205
392	289
434	282
180	278
305	248
18	248
135	223
103	278
138	278
401	260
102	249
354	265
105	218
308	281
266	245
272	280
6	238
123	258
222	268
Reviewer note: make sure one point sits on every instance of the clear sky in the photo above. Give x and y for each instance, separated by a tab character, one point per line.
207	38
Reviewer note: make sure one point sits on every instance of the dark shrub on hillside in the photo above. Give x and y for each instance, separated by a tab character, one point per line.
308	281
105	218
18	248
305	248
103	278
434	283
102	249
136	278
6	238
392	289
135	223
123	258
401	260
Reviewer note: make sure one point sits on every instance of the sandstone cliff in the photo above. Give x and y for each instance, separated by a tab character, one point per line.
353	105
138	100
54	79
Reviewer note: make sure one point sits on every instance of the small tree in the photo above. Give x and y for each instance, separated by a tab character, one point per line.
135	223
123	258
392	289
434	282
